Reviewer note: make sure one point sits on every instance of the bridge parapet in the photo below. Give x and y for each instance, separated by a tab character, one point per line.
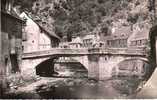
56	51
85	51
118	51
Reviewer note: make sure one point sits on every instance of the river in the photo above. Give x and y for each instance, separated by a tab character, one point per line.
74	84
74	88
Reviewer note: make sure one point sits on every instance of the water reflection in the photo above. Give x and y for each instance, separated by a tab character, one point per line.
83	88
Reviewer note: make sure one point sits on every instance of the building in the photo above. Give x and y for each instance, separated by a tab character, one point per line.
119	38
10	42
139	38
37	35
117	41
88	40
64	43
76	43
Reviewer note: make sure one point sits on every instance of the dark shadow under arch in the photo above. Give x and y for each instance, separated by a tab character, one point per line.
47	68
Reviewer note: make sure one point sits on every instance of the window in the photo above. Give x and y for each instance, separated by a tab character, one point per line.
6	61
22	48
37	4
106	58
140	42
136	43
24	35
108	43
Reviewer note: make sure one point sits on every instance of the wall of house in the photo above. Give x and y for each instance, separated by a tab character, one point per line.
54	42
139	43
32	30
44	42
117	43
36	38
75	45
87	42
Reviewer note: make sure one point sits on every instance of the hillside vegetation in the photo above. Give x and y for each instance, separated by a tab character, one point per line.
79	17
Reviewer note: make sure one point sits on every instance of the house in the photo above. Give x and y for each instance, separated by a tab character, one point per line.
140	38
88	40
76	43
117	41
10	42
37	35
64	43
119	38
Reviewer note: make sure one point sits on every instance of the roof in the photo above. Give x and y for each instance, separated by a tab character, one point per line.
48	31
122	31
141	34
37	20
90	36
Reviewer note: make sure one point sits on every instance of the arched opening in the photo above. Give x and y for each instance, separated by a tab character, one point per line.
54	68
46	68
70	67
129	75
132	68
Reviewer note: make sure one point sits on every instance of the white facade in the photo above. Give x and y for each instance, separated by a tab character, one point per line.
36	40
44	42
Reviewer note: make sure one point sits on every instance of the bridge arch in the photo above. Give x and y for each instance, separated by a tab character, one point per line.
47	67
132	66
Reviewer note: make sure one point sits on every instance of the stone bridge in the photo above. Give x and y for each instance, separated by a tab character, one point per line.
99	62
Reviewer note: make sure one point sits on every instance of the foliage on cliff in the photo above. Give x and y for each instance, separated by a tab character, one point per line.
78	17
